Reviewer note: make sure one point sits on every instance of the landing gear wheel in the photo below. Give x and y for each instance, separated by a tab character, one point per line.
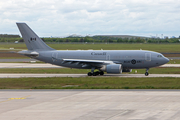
97	73
146	74
94	74
101	73
89	74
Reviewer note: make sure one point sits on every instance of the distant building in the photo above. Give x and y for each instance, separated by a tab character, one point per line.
75	35
173	37
166	37
121	36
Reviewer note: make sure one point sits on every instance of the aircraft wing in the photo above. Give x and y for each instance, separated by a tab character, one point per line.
87	62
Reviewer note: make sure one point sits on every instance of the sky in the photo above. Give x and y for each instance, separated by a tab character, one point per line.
95	17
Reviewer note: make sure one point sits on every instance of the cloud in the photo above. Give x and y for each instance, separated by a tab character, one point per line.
63	17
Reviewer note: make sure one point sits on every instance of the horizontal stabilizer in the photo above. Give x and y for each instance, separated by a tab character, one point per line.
32	54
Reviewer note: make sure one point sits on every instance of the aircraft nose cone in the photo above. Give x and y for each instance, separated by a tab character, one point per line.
166	60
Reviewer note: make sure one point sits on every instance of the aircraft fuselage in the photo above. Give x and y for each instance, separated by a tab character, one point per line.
130	59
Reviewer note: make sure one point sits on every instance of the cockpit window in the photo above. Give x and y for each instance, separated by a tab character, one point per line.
159	56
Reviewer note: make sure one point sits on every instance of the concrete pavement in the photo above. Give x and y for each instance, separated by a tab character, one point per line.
28	65
89	105
11	75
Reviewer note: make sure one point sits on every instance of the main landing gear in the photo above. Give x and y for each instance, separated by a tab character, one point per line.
92	73
95	73
146	73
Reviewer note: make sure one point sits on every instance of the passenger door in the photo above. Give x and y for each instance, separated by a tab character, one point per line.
54	57
148	56
107	57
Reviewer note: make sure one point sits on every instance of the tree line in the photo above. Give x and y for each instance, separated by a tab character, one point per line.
9	36
93	39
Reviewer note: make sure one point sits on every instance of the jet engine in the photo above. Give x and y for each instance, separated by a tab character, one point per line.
112	68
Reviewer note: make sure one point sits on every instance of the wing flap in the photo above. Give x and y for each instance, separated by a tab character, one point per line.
79	61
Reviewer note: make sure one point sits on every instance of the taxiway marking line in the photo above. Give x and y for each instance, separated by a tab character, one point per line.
21	98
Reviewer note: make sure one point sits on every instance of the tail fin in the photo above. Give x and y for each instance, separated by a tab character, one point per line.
32	41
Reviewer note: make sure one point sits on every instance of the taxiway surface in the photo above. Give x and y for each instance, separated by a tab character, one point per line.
89	105
11	75
28	65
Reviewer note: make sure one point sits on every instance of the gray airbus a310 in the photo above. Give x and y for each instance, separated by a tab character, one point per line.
110	61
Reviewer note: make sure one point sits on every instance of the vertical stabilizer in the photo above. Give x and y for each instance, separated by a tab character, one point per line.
32	41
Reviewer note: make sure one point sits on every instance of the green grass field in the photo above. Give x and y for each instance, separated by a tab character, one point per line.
153	47
174	62
90	83
85	71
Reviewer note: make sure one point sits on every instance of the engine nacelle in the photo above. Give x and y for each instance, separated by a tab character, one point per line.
112	68
127	70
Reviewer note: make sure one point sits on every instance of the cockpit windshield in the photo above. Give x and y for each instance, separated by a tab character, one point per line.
159	56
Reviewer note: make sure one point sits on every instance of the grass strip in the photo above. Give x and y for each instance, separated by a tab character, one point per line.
90	83
137	46
44	70
174	62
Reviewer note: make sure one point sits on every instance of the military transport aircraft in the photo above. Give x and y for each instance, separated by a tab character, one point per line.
110	61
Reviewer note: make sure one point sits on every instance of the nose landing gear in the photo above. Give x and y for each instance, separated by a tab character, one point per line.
146	73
